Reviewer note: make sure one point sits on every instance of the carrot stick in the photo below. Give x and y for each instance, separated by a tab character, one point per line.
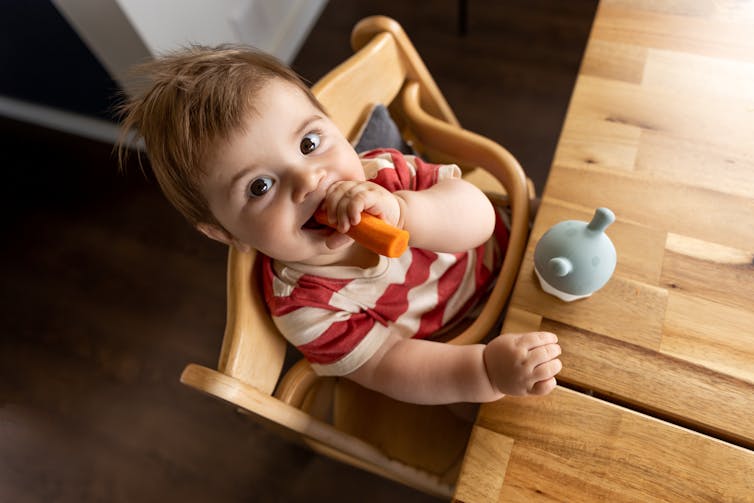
374	233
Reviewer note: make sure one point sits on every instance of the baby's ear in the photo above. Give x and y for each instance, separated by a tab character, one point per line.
212	231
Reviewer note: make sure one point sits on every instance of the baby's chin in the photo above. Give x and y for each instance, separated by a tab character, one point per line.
337	241
322	246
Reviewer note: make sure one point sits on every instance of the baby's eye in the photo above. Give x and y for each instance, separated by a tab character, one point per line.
309	143
260	186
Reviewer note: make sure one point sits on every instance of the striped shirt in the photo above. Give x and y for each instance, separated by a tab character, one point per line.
339	316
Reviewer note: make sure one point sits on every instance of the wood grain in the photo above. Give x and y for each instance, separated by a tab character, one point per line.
697	212
716	29
674	388
659	129
626	309
709	334
484	466
709	271
571	447
614	61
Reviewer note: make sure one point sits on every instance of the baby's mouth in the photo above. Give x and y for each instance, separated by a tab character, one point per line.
313	225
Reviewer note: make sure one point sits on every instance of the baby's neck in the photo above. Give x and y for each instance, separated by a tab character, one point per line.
358	256
353	255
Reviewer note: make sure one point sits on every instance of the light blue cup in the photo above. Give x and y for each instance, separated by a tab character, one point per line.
574	259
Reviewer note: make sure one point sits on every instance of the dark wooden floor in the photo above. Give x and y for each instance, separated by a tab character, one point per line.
107	293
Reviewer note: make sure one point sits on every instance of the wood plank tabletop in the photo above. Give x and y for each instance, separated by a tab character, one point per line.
571	447
660	129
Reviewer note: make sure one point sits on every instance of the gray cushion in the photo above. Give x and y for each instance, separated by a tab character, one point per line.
380	131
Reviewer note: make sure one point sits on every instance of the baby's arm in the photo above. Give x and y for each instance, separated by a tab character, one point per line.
427	372
451	216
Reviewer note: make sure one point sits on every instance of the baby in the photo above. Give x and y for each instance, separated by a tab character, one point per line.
244	151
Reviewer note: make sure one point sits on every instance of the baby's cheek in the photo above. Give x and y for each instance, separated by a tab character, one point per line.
349	161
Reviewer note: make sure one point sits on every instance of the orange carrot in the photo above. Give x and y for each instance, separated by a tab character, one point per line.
374	233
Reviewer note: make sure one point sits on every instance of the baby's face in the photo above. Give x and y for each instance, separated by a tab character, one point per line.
265	183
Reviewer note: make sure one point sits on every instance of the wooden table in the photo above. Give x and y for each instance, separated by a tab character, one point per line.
656	401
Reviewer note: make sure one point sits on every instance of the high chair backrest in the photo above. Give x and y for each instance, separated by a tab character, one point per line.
385	59
385	69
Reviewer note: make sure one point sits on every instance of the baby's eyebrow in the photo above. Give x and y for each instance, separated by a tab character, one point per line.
306	125
241	174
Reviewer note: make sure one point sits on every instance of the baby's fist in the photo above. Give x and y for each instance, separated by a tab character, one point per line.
523	364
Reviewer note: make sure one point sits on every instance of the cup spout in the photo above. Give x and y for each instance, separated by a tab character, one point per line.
602	218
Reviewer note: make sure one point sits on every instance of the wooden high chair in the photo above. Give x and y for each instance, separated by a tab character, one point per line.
420	446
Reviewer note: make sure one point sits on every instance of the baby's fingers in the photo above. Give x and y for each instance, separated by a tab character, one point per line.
347	200
544	353
547	370
366	197
336	204
542	338
543	387
531	340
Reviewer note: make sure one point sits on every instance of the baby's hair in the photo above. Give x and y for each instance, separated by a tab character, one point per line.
193	98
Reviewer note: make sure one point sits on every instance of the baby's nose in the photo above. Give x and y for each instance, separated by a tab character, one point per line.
306	182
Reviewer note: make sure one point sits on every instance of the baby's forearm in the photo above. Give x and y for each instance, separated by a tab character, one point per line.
426	372
451	216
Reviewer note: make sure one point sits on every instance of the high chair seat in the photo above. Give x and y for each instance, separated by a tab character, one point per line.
420	446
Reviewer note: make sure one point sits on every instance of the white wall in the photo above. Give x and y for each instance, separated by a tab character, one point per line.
121	33
275	26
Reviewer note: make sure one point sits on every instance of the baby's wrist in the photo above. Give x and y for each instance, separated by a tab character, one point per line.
402	210
487	364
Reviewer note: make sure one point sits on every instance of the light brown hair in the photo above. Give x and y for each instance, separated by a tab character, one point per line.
193	98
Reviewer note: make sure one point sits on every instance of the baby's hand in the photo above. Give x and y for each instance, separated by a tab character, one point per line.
345	201
523	364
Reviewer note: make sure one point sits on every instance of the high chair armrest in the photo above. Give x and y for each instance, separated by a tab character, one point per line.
347	447
296	384
253	350
454	144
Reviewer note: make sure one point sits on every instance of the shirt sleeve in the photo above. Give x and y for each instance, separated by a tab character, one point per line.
333	333
335	343
395	171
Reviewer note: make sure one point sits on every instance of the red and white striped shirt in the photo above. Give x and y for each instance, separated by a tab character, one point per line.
338	317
